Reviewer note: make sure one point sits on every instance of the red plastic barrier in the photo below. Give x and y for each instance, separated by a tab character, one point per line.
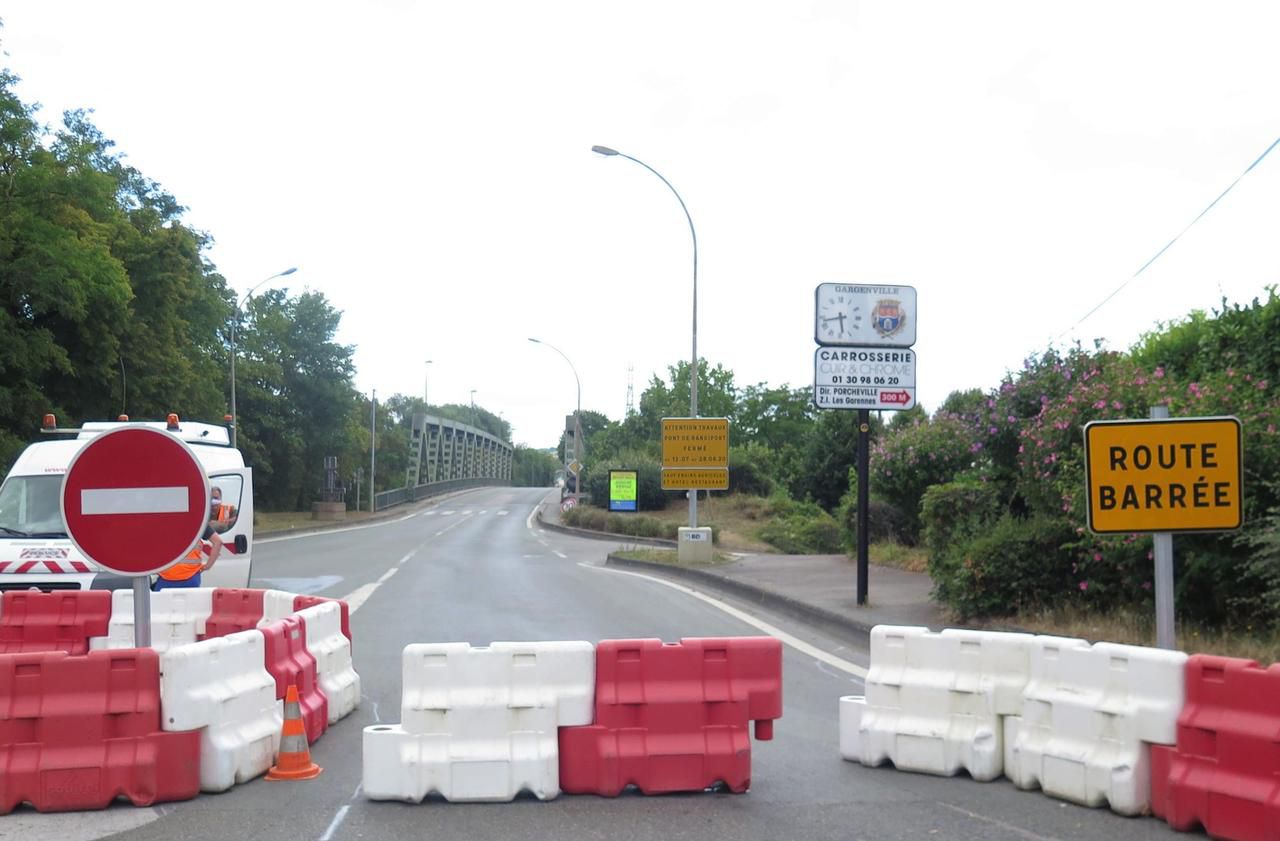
304	602
234	610
289	662
674	717
1224	772
60	621
78	732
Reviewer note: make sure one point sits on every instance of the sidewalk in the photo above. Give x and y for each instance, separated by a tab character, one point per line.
817	588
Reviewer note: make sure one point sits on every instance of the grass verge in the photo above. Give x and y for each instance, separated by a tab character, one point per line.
667	556
1139	629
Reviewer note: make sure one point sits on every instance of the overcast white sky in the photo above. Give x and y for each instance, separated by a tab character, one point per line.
428	167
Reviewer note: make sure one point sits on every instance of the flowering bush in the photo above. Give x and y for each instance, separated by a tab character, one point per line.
905	462
1024	443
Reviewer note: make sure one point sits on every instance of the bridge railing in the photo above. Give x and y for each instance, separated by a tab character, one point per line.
399	496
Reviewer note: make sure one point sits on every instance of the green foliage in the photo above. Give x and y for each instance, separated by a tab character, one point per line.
532	468
885	522
637	525
799	528
649	493
749	471
912	457
1015	565
954	513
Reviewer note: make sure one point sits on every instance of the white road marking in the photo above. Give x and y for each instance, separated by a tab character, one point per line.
439	533
772	630
466	513
482	511
327	532
428	514
337	822
559	554
362	593
167	500
360	596
446	513
1010	827
503	513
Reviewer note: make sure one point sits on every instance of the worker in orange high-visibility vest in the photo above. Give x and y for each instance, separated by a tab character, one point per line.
187	572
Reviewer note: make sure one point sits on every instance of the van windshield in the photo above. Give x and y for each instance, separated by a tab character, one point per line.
29	507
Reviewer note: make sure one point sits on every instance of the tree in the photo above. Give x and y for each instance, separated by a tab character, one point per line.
296	400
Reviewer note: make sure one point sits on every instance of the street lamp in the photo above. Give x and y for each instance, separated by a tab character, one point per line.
425	384
235	316
693	373
473	407
577	415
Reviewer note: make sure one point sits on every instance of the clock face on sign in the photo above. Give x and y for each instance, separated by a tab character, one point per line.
839	317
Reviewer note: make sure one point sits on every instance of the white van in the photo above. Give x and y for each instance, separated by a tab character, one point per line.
34	548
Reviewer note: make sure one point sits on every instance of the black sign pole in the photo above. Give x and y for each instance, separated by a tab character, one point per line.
864	483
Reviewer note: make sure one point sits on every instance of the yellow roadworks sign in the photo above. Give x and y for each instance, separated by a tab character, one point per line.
704	479
1181	474
695	442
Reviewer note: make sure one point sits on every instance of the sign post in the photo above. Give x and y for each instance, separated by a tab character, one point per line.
1160	476
864	361
695	456
135	500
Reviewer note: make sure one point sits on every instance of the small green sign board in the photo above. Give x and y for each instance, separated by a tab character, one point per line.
622	490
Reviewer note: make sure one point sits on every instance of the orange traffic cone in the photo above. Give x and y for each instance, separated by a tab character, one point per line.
294	761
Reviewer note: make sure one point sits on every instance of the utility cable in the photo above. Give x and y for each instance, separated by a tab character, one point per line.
1145	265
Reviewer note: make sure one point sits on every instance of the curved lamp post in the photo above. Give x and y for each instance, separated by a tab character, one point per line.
577	415
693	371
235	316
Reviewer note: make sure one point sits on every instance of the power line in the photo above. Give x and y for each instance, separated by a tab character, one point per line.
1168	245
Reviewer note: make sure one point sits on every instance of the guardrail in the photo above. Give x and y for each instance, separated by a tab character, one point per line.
399	496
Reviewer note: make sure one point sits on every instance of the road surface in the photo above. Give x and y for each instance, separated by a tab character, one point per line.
474	568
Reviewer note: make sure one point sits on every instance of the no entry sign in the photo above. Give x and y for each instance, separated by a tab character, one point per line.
135	500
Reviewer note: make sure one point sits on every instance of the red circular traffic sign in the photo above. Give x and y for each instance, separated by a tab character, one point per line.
135	500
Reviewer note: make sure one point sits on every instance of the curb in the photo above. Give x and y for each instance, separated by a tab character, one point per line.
756	595
603	535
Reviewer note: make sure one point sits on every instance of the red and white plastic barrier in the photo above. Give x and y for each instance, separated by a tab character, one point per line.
221	688
1193	740
1223	773
479	724
934	701
213	684
178	618
486	723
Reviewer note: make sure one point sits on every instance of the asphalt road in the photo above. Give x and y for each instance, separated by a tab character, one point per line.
472	568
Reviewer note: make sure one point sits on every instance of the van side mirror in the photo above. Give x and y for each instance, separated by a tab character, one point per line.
241	544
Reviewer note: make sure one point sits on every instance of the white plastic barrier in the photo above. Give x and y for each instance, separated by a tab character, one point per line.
276	604
178	617
481	724
934	700
332	651
1088	718
222	685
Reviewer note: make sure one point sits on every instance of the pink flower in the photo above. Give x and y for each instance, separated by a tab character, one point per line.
1084	585
1159	372
1116	404
1100	404
1097	556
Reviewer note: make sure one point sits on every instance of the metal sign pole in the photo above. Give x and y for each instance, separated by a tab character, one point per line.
864	502
1165	633
142	611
